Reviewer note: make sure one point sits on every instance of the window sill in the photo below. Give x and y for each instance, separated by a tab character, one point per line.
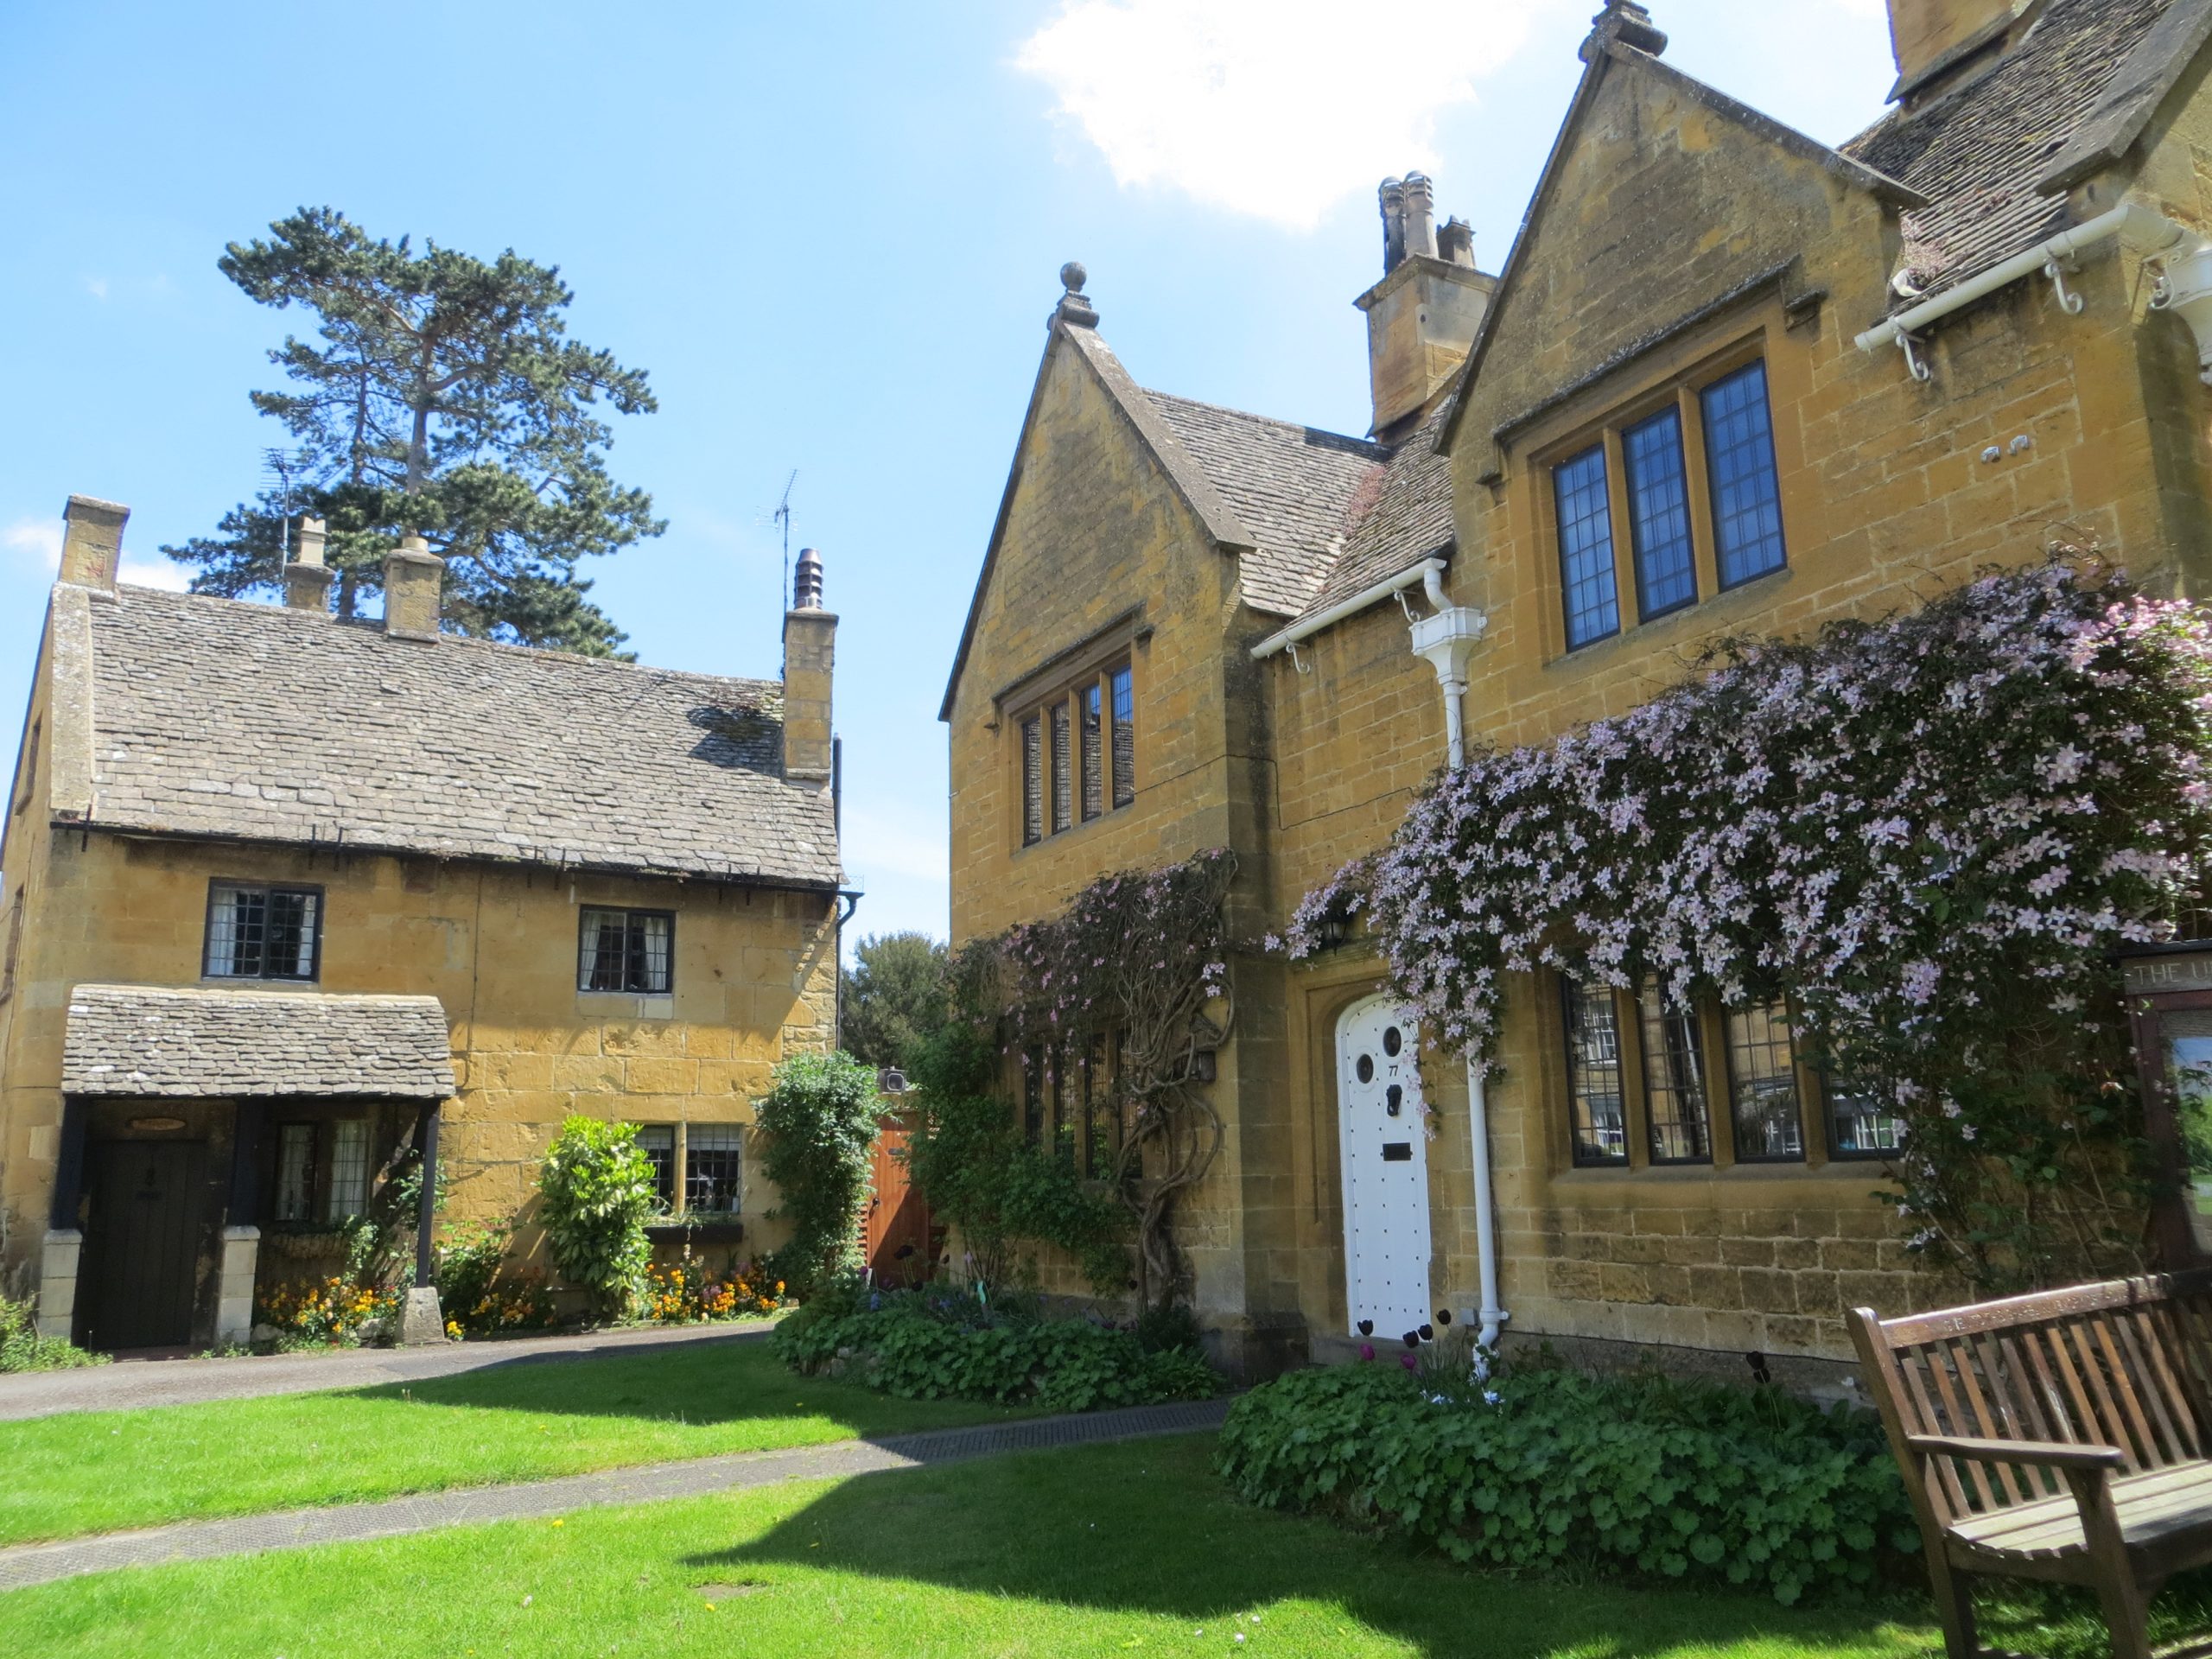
727	1230
1779	1170
1724	608
248	983
1060	838
629	1004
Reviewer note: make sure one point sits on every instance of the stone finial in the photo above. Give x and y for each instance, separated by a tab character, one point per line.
1420	215
307	579
414	583
91	542
1075	308
1627	23
806	581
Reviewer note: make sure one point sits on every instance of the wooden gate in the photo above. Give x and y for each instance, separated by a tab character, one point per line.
897	1234
142	1238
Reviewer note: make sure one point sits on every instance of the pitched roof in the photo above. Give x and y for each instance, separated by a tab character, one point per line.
133	1040
1410	521
1297	489
221	718
1982	152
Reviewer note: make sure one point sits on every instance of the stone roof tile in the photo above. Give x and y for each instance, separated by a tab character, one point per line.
1980	152
1297	491
216	717
136	1040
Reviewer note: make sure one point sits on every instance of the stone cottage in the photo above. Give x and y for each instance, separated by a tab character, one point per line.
1727	379
287	897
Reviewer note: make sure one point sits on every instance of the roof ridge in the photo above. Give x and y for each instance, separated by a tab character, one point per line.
1382	451
373	629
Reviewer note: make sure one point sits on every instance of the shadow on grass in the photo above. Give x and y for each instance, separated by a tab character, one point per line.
704	1381
1148	1530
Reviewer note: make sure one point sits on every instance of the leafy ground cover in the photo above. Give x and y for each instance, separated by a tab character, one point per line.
939	1342
1628	1475
525	1421
1107	1550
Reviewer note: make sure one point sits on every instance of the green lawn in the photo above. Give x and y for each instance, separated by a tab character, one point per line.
1105	1550
99	1471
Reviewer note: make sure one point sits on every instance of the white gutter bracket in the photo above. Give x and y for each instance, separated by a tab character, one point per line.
1306	628
2158	238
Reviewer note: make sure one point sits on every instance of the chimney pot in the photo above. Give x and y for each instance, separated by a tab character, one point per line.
306	581
414	582
91	542
806	581
1456	242
1391	195
1420	215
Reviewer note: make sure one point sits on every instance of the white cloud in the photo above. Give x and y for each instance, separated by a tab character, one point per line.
154	573
36	539
97	286
1275	108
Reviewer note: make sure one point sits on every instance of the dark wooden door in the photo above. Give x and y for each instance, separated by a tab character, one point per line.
901	1250
148	1201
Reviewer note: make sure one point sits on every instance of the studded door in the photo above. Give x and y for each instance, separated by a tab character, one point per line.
1381	1132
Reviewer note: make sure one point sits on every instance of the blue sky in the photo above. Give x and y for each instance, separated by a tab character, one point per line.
831	237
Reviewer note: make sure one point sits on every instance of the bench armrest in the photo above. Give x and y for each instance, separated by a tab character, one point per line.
2048	1453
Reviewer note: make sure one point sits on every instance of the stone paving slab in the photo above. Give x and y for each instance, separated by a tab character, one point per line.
131	1383
190	1540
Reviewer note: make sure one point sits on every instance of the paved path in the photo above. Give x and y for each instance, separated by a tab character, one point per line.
188	1541
130	1383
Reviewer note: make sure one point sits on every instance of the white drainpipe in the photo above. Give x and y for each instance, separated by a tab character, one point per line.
2151	232
1447	639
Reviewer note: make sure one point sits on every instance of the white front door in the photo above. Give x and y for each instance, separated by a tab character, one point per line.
1384	1142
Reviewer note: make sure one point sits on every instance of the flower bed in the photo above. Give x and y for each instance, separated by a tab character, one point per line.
337	1313
685	1292
1632	1475
934	1343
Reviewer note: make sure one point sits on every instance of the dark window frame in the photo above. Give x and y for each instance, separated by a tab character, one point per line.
1572	990
1797	1075
1639	553
1705	390
1060	759
1660	1061
1832	1091
695	1153
632	913
1604	573
220	885
664	1166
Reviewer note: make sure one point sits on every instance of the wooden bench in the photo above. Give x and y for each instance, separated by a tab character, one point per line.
2065	1437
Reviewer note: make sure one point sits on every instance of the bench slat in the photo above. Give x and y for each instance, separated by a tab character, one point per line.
2044	1305
2150	1508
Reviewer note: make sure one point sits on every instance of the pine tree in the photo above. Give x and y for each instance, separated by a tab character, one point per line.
895	996
443	397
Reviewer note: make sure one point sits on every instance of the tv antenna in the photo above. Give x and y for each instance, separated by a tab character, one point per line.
280	466
783	516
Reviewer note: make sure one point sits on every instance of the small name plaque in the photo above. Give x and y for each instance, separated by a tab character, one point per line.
2183	970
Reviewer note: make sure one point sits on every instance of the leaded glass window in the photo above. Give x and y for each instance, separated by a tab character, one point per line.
657	1142
1675	1102
1063	772
295	1172
1739	459
1862	1122
1091	705
256	932
1125	736
349	1169
1033	780
1586	547
712	1156
1659	515
1593	1074
1762	1085
629	950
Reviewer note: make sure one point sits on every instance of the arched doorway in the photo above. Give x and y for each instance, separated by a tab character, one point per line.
1383	1140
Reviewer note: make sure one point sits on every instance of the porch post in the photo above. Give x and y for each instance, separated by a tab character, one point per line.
424	1320
65	1242
241	1261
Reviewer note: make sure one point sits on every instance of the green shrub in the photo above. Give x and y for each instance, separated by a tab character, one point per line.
1700	1483
468	1261
596	1193
21	1348
820	1118
981	1176
938	1344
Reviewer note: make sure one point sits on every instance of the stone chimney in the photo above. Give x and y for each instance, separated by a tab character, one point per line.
1422	316
1927	36
307	579
91	542
414	578
810	658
